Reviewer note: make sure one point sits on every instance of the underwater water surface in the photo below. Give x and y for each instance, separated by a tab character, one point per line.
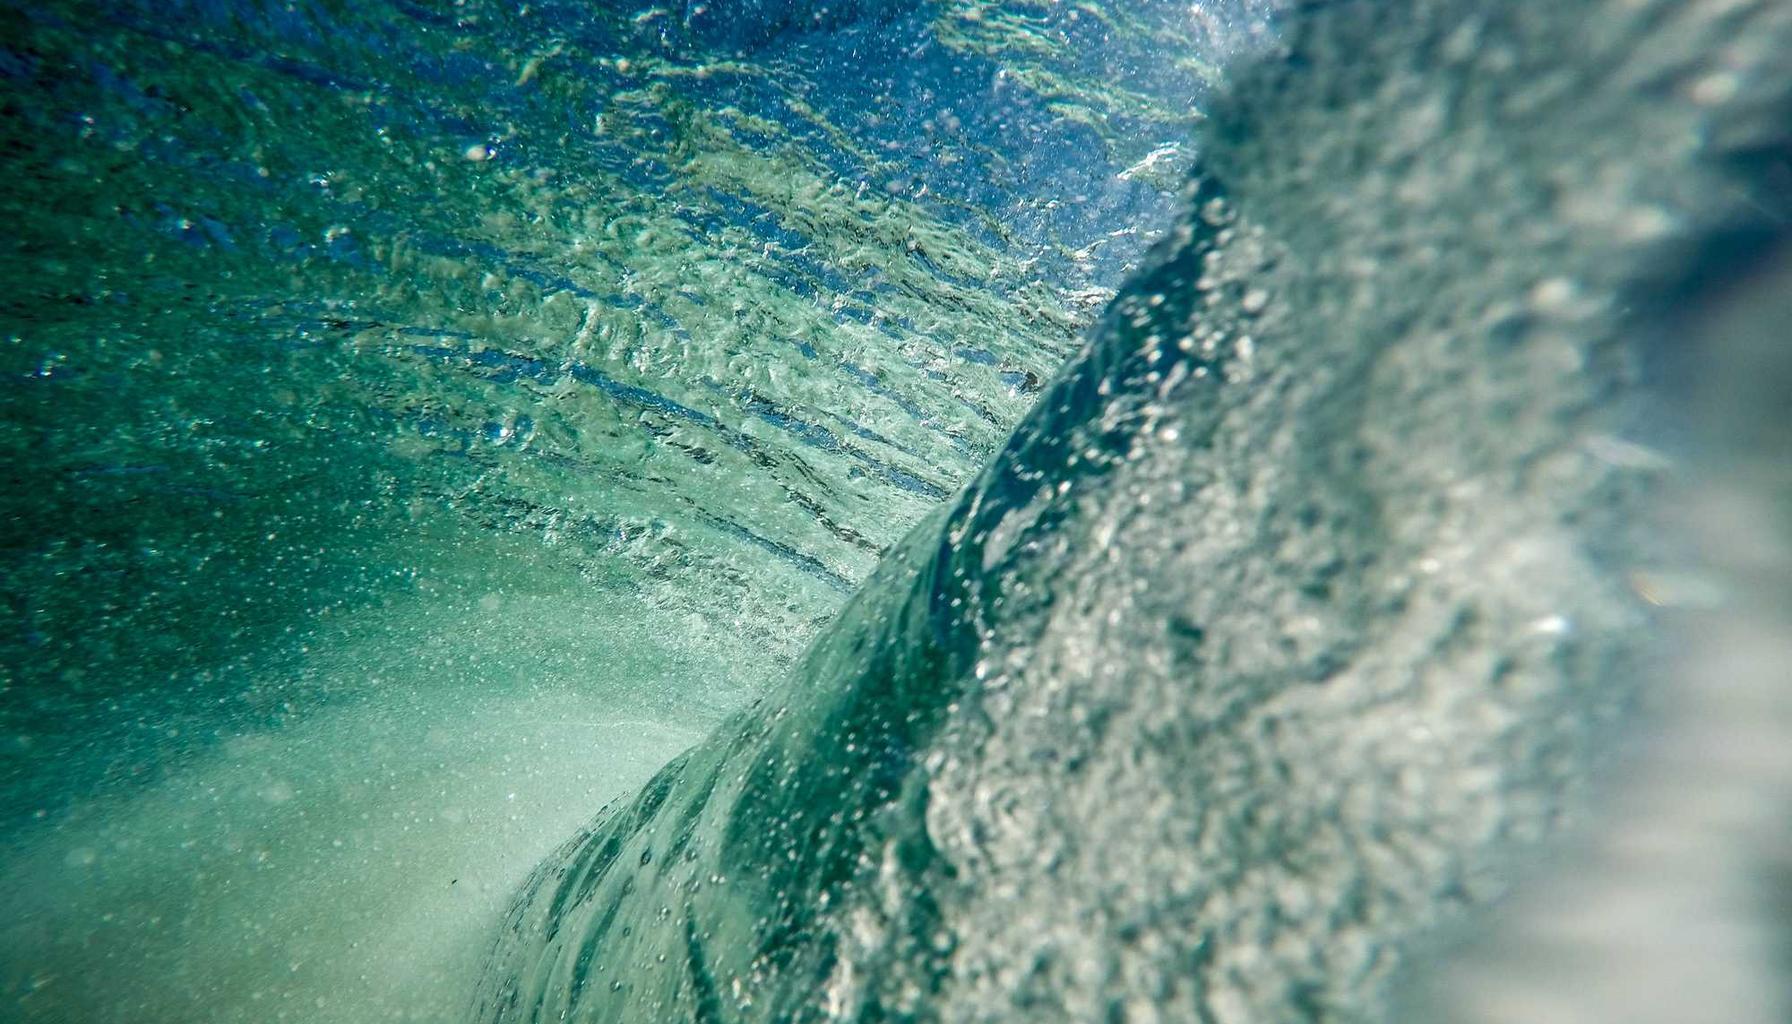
964	510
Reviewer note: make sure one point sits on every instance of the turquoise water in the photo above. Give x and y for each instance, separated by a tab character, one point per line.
317	309
1009	510
505	393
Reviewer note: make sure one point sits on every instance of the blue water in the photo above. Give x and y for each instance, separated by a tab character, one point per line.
1001	511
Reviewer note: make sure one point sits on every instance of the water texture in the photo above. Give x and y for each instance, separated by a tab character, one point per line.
1295	608
724	320
1125	511
508	388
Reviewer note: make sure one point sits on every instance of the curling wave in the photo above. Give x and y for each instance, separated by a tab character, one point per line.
1294	608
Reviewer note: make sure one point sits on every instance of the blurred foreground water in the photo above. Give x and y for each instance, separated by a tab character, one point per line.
423	423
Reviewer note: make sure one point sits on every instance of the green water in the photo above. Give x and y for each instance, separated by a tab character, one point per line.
376	370
313	313
443	443
1306	603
